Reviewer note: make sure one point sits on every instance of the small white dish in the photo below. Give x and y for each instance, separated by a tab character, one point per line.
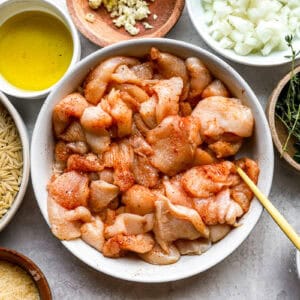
260	149
10	8
26	161
196	13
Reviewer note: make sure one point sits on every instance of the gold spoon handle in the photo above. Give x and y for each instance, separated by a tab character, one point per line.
272	210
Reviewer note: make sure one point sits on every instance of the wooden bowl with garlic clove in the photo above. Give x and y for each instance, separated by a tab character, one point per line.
103	32
278	130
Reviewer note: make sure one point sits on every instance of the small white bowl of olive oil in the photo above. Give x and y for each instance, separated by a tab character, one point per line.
38	45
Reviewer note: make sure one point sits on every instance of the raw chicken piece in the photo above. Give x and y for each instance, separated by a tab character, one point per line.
217	232
185	109
144	173
125	75
97	80
216	88
241	193
72	105
99	142
143	71
186	247
219	209
157	256
94	119
174	143
61	152
148	111
219	115
121	113
130	224
204	181
139	200
204	157
175	193
107	175
200	76
140	125
139	144
225	149
84	163
73	133
132	90
92	233
65	224
115	246
168	93
173	222
168	66
78	147
70	190
101	194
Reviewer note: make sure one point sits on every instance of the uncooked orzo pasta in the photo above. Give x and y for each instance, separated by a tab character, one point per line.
11	161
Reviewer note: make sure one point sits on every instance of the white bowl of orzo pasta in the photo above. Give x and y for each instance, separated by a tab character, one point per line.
14	160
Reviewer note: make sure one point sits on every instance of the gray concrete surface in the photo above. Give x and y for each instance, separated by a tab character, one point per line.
262	268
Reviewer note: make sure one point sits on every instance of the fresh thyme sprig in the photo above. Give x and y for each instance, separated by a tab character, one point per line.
288	105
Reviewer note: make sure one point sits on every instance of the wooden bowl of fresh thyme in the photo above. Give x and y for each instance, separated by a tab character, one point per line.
283	113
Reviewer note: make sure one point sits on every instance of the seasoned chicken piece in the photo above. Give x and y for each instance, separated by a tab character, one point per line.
121	113
95	119
120	157
139	123
73	133
132	90
174	143
84	163
139	200
168	93
139	144
218	232
70	190
92	233
61	152
130	224
117	245
125	75
204	157
224	149
219	209
65	224
99	142
200	76
144	173
72	106
173	222
106	175
185	109
169	66
143	71
78	147
97	80
101	194
157	256
241	193
204	181
148	111
175	193
219	115
186	247
216	88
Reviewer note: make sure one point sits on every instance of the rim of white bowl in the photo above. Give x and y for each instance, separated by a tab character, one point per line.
228	53
59	13
72	245
26	161
298	262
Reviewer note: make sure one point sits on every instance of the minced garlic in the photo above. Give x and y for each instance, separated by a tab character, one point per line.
125	12
16	284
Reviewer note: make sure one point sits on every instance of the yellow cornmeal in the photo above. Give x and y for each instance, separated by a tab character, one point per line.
36	50
16	284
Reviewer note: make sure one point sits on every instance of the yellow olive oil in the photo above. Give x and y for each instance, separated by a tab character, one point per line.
36	49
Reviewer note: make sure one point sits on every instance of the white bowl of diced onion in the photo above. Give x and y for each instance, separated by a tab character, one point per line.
251	35
259	148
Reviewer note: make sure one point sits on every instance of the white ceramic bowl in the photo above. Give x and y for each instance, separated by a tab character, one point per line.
26	160
298	262
260	149
10	8
196	14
